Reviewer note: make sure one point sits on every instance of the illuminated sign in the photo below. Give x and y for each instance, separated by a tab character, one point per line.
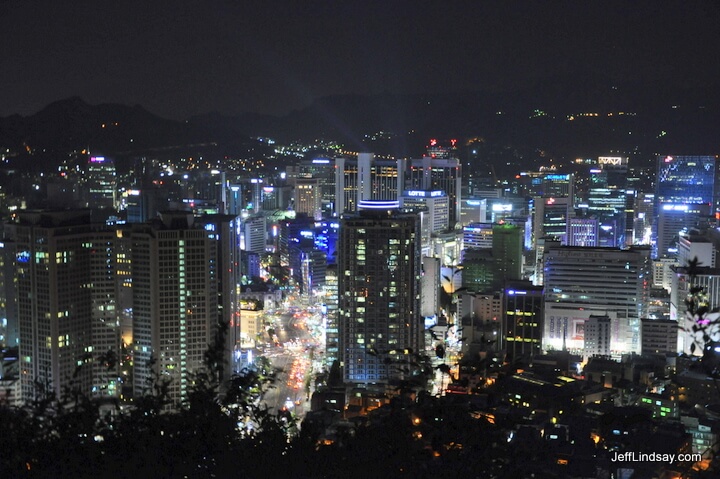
557	177
268	189
612	160
378	204
320	161
675	207
421	193
501	208
97	159
474	202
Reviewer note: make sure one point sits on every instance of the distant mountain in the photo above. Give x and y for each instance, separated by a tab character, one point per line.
586	115
72	125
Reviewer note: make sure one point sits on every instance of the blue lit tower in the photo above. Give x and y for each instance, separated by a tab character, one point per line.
378	292
683	181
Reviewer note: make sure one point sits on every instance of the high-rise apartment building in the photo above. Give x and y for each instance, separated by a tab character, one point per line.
175	300
379	272
67	311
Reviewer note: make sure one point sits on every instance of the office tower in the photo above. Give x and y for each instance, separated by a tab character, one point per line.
608	206
478	236
255	234
694	245
234	199
473	210
276	197
478	270
551	218
598	281
313	266
142	205
66	303
685	180
443	174
522	326
675	219
582	232
100	182
326	238
614	170
597	336
507	253
433	209
643	219
296	236
548	184
323	170
175	300
307	196
378	293
684	192
435	202
366	178
659	336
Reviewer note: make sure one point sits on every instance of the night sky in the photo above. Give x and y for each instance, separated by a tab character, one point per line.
181	58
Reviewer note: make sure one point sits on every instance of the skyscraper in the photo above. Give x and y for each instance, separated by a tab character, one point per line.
66	302
522	325
378	293
175	300
444	174
366	178
685	179
683	185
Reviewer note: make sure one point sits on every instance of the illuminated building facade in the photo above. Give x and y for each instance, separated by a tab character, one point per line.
175	300
379	273
580	282
67	312
443	174
366	178
101	182
522	326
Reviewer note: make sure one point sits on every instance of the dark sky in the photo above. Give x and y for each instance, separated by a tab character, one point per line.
180	58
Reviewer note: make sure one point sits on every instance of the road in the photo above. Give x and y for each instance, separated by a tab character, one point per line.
291	359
